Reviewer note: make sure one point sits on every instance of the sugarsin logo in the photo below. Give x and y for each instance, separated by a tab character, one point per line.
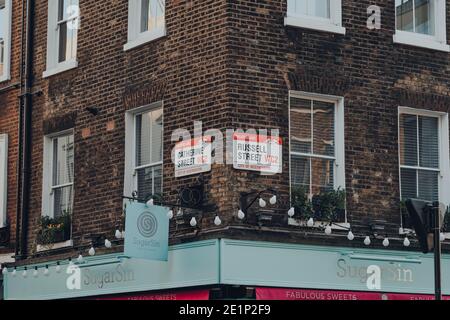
147	224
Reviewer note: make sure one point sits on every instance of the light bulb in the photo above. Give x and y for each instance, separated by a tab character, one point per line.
386	242
273	200
406	242
442	237
80	258
180	212
118	234
35	273
123	234
92	252
150	202
5	271
350	236
170	214
291	212
217	221
58	268
193	222
310	223
367	241
108	243
262	203
14	273
328	230
46	271
24	273
241	215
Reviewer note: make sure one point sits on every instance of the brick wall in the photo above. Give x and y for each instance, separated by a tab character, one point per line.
230	64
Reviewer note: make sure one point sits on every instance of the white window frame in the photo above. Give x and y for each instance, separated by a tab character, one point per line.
339	136
130	183
7	46
53	66
47	177
437	42
3	179
333	25
444	158
137	38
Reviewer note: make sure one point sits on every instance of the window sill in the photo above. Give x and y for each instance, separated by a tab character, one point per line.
61	67
54	246
344	226
5	77
417	40
314	24
144	38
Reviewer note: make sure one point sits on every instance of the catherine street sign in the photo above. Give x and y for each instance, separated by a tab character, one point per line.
147	232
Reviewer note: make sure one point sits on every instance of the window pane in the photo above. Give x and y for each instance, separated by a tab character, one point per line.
63	160
429	185
63	200
301	135
63	42
405	15
429	142
68	32
314	8
149	181
300	172
322	175
323	128
3	34
409	184
149	137
424	17
152	14
408	140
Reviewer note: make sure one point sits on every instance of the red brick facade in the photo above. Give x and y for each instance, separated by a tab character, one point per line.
229	64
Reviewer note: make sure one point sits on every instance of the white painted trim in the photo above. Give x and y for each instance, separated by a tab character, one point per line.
53	66
416	40
339	170
444	160
54	246
314	24
137	38
437	42
130	179
3	180
144	38
7	26
47	172
61	67
7	258
334	24
345	226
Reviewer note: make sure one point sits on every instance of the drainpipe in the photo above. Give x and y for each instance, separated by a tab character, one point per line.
26	107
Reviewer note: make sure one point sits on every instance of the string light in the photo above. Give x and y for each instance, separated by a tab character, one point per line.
350	236
273	200
328	230
80	258
367	241
46	271
406	242
386	242
118	234
262	203
150	202
310	222
442	237
217	221
241	215
58	267
92	251
108	243
170	214
14	273
5	271
291	212
123	234
193	222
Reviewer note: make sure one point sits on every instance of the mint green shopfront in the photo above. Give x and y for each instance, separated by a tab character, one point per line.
232	262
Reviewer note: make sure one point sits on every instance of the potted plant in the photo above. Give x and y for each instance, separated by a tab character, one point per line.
54	230
329	205
301	203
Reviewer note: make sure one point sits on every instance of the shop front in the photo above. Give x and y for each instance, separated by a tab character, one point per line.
278	272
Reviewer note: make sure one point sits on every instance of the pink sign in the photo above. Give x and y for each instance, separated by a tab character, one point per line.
299	294
190	296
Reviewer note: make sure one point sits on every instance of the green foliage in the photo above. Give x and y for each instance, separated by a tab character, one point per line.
301	203
54	230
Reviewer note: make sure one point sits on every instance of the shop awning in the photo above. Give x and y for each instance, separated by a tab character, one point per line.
306	294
